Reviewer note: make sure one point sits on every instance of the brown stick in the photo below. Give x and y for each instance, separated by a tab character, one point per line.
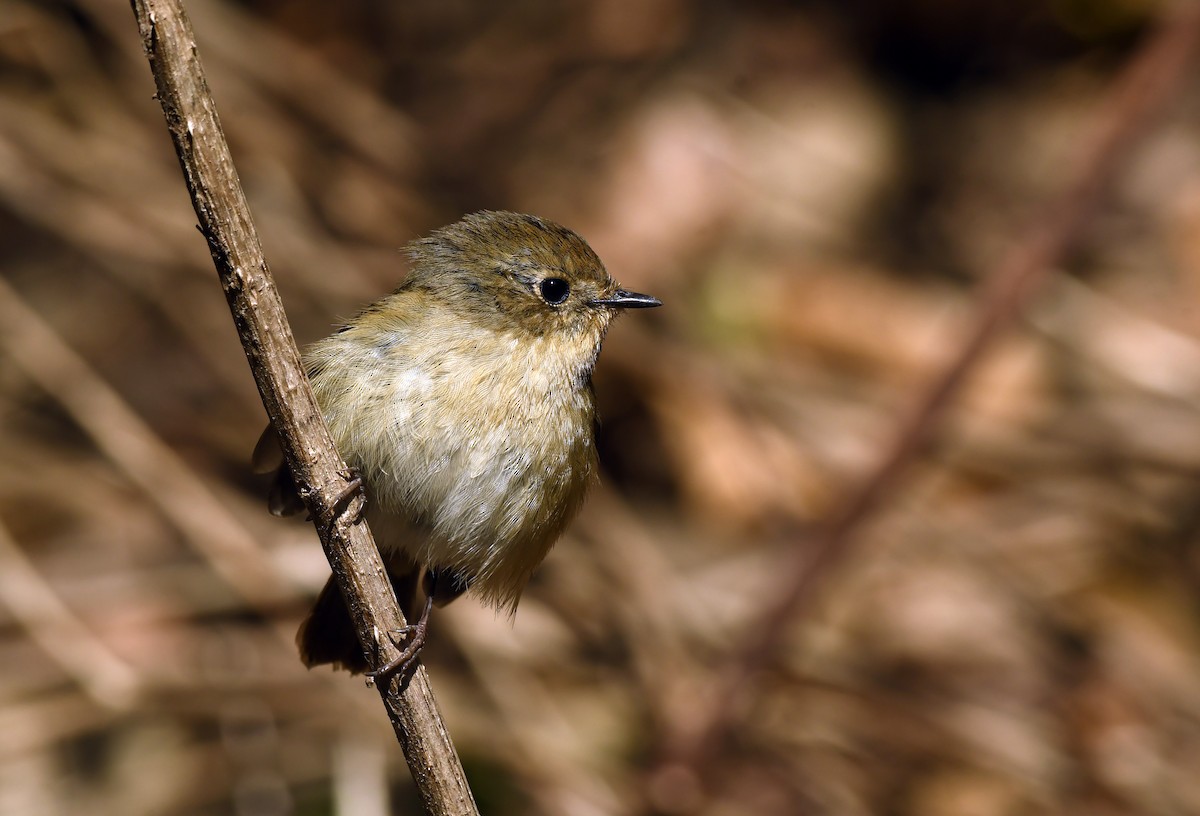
320	473
1147	82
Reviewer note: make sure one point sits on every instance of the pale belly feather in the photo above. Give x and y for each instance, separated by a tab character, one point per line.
466	475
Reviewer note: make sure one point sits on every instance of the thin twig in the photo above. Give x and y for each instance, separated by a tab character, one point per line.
262	325
61	634
172	487
140	454
1150	79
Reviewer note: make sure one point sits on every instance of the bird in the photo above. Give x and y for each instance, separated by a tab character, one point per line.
463	403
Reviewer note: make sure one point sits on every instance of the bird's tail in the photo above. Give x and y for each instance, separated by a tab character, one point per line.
327	634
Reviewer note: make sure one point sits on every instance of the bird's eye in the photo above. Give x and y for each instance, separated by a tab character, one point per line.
555	290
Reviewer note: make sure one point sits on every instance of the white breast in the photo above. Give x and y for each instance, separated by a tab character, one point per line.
476	453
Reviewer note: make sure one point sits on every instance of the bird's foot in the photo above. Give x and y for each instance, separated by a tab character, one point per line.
345	499
413	637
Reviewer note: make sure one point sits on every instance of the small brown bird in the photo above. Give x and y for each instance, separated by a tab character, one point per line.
464	401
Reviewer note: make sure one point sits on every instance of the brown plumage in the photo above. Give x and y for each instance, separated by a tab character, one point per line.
464	400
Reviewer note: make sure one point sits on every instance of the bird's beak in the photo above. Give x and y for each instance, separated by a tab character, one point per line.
621	299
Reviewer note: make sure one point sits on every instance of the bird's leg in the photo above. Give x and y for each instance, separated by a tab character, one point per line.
414	640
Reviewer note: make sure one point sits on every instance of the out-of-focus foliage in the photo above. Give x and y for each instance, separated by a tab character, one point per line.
813	189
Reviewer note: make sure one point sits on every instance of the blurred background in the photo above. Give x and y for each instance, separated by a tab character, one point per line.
818	192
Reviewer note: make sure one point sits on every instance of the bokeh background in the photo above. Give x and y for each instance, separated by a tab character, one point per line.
819	192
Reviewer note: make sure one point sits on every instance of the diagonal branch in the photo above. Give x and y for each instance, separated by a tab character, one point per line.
60	633
320	473
1150	79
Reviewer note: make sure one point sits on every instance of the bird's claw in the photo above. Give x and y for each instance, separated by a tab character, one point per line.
342	504
414	636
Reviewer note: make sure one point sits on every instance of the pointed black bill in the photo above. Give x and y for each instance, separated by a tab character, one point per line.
621	299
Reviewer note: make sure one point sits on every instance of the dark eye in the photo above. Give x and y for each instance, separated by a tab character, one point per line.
555	290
